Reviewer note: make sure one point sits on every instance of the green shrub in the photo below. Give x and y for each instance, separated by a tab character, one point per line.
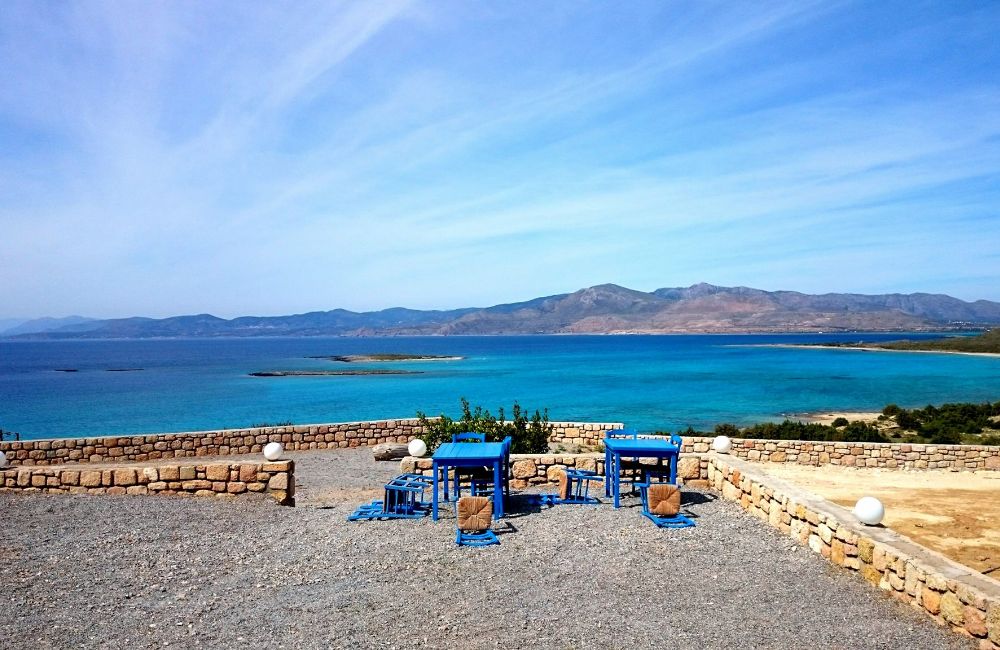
839	422
890	410
726	429
528	435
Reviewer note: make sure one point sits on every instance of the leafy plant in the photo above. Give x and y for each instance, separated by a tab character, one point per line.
529	435
840	422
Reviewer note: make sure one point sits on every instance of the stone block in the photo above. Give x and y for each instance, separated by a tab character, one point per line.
525	468
218	486
37	480
689	467
136	489
90	478
975	622
993	622
150	474
197	484
236	487
70	478
256	487
156	486
169	473
186	473
866	549
116	490
217	472
124	477
931	600
278	482
952	609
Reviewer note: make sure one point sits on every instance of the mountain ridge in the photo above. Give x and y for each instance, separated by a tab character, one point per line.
601	309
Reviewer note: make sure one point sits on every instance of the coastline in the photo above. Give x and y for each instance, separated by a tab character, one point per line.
858	348
827	417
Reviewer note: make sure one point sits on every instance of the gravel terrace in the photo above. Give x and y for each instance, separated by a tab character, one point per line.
127	572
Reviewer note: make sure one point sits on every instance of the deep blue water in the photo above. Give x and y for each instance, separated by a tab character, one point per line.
649	382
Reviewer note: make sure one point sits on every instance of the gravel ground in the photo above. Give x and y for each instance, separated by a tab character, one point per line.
127	572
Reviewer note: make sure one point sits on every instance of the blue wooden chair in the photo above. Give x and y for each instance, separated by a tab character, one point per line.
468	436
574	488
475	516
482	479
661	504
404	499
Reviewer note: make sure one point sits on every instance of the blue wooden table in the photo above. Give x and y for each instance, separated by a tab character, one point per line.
615	448
469	454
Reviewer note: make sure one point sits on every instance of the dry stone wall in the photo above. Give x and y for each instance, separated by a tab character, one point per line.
142	448
951	593
227	480
859	454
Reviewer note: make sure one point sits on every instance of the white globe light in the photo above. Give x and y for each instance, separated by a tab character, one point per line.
417	447
869	510
273	450
722	444
3	459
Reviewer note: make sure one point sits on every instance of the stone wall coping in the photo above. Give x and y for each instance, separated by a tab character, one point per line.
903	545
280	465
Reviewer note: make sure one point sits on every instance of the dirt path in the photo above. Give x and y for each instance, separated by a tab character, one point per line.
954	513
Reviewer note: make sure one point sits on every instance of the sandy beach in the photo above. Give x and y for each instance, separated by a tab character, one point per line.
859	348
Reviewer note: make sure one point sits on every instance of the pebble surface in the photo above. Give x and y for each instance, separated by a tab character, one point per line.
159	572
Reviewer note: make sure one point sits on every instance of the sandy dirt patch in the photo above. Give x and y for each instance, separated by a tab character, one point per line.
954	513
851	416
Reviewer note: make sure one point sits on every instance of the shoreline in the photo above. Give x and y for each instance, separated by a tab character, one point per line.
858	348
827	417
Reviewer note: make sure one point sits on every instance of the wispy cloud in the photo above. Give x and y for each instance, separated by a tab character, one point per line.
174	157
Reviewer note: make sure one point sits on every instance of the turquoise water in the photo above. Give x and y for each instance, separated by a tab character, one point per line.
649	382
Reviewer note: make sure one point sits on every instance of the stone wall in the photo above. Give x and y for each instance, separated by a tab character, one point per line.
228	480
538	469
859	454
142	448
951	593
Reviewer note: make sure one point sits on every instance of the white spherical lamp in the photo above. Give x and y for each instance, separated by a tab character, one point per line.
417	447
869	511
722	444
273	450
3	459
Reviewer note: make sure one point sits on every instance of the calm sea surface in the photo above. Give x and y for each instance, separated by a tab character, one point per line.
649	382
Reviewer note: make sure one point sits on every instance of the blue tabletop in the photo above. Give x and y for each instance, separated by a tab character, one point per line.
468	451
639	446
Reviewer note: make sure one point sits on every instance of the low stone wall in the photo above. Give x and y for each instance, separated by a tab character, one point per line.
859	454
951	593
228	480
537	469
223	442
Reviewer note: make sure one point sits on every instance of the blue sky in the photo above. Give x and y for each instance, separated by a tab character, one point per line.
159	158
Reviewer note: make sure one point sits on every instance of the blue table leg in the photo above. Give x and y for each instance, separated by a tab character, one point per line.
616	479
497	491
607	472
673	468
434	505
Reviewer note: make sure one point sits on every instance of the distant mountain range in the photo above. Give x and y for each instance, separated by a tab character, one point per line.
606	308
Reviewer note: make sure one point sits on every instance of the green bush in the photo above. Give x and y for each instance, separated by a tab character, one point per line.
839	422
890	410
730	430
528	435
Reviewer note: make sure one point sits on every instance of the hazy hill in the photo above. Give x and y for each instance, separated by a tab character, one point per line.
606	308
38	325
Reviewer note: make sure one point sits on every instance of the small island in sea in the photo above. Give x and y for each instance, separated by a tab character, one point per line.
361	358
329	373
986	343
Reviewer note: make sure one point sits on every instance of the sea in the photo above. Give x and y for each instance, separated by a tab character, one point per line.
652	383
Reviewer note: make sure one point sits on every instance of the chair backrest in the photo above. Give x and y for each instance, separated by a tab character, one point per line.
675	439
468	436
622	433
507	442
